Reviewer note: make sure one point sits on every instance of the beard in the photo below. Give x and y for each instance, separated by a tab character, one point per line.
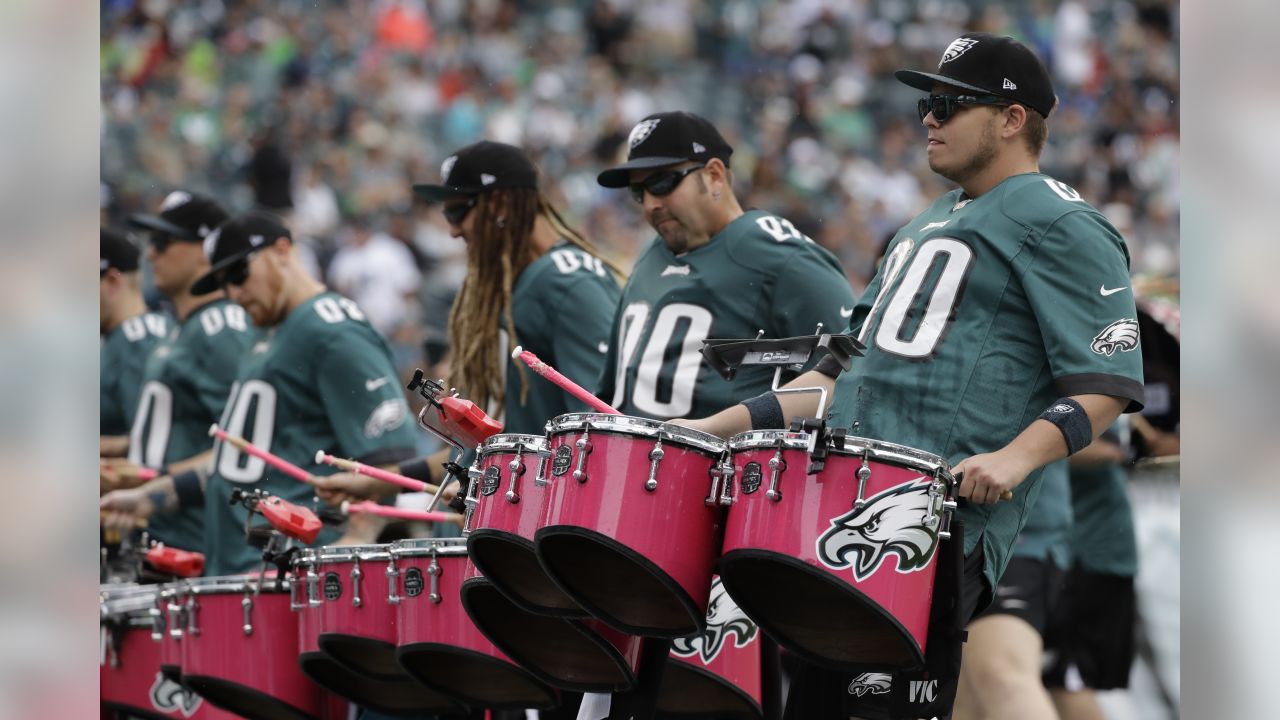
674	234
980	161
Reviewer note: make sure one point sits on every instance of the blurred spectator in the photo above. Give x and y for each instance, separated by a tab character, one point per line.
379	273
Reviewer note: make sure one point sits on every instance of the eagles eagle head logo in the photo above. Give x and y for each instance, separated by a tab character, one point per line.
873	683
890	523
1120	335
958	47
641	132
724	618
168	696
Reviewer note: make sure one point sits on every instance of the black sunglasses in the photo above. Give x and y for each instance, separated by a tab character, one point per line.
663	183
944	106
235	274
161	240
456	212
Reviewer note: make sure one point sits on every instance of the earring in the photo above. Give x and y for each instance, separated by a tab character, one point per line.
716	194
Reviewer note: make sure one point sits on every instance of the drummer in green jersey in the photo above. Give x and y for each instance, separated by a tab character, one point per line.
532	281
188	374
713	271
128	332
1000	334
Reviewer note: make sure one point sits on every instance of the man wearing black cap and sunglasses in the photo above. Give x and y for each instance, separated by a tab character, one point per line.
188	375
1000	335
714	271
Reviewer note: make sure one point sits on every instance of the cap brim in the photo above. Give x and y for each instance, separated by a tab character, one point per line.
620	177
155	222
926	81
440	193
208	282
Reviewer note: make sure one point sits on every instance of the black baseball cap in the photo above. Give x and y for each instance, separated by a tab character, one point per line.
115	251
478	167
993	65
184	216
234	241
667	138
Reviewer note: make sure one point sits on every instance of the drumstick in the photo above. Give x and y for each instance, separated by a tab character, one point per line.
274	461
377	473
138	523
369	508
561	381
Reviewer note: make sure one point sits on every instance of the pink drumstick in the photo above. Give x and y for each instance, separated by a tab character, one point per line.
146	474
274	461
369	508
360	468
563	382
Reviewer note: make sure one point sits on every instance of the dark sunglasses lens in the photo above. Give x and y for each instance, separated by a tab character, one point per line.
457	212
663	184
160	241
637	193
939	105
236	274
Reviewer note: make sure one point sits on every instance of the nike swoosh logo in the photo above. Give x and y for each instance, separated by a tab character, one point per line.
846	312
1105	292
374	384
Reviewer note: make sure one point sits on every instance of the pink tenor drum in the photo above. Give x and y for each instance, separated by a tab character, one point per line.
578	655
357	619
505	504
630	530
240	648
716	673
400	696
439	645
130	681
837	566
170	619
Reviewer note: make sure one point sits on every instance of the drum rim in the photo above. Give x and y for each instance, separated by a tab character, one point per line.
530	443
347	553
226	584
637	426
422	547
914	458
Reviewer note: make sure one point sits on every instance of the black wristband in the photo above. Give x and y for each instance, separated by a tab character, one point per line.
163	470
766	412
188	489
1072	422
418	469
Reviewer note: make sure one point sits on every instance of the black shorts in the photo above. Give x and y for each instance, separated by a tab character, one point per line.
960	591
1089	642
1029	589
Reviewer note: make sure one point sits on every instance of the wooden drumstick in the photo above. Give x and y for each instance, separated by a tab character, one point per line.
274	461
377	473
561	381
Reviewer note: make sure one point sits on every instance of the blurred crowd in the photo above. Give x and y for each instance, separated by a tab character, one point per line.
326	111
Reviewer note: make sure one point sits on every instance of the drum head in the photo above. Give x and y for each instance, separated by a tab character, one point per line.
694	692
509	562
393	697
561	653
616	584
785	596
475	678
242	700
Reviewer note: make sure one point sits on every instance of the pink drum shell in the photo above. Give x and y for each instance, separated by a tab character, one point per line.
671	527
716	673
791	527
128	686
442	628
169	604
264	661
359	637
500	533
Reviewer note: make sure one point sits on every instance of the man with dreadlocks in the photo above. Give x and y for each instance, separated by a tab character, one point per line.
532	281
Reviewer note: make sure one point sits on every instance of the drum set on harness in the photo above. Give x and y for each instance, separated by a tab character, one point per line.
579	546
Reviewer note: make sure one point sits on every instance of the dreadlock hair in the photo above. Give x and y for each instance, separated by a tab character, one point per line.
498	250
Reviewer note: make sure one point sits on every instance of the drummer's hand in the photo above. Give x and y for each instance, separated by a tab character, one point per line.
351	487
362	529
116	474
988	475
125	510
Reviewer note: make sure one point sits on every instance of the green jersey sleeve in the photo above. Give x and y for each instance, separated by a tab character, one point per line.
1077	282
583	327
361	392
809	290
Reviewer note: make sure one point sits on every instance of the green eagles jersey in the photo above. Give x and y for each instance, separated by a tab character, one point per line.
984	311
758	273
323	379
122	361
1046	532
184	386
563	305
1103	540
